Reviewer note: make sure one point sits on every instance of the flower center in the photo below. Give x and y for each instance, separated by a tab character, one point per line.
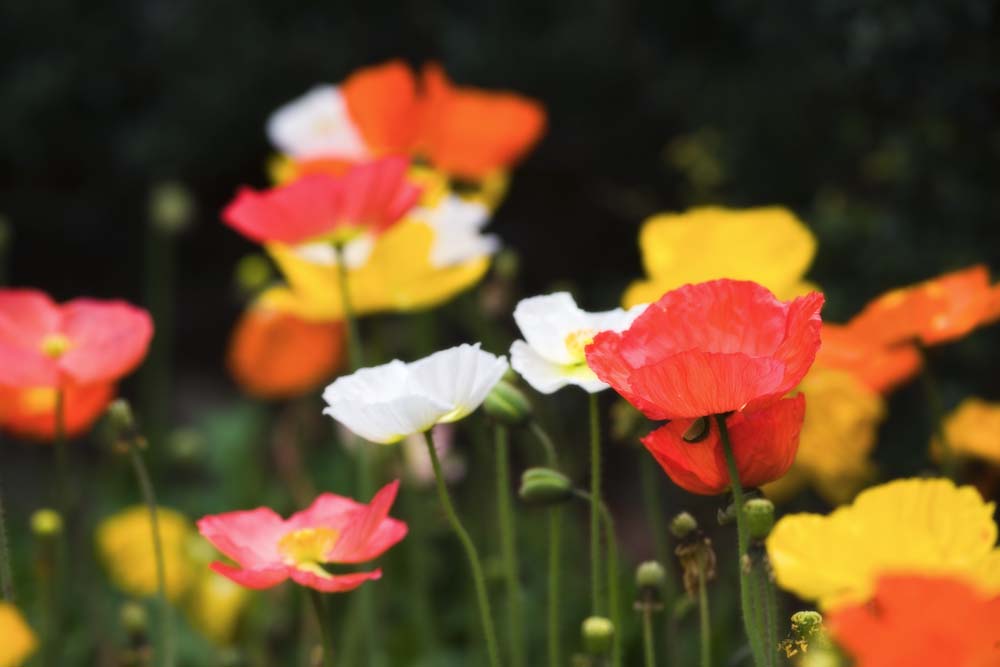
577	341
55	345
308	546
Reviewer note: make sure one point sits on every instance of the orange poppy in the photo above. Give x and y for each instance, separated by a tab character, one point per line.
31	413
880	367
273	354
934	311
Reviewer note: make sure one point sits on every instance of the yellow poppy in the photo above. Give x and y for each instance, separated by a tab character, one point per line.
916	526
399	275
838	434
214	606
125	544
17	641
973	430
767	245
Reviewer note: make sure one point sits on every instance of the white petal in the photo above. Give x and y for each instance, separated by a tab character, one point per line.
545	322
459	377
457	223
615	320
547	377
317	124
356	252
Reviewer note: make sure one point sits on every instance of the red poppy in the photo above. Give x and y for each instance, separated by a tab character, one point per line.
82	342
878	366
934	311
467	132
278	355
333	530
31	413
764	445
367	198
920	621
711	348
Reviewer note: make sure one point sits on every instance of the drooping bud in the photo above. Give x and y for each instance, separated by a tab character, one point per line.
759	513
171	207
683	525
46	523
650	574
507	404
598	635
697	431
545	486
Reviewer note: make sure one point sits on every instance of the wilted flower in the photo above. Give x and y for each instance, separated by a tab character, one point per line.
921	526
769	246
918	621
19	642
333	530
973	430
935	311
386	403
556	332
275	354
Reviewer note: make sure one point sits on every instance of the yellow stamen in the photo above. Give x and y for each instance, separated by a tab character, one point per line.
56	345
577	341
308	546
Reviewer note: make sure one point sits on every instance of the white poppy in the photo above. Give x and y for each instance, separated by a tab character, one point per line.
457	225
356	252
389	402
556	334
317	124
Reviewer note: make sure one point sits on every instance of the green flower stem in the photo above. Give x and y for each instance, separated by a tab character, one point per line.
482	595
614	598
653	502
166	616
47	562
158	293
770	608
597	602
508	548
6	578
551	458
648	651
62	456
325	631
704	620
746	595
555	568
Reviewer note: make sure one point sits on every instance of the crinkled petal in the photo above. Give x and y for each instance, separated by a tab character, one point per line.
257	578
108	339
332	583
382	101
547	377
248	537
459	377
26	317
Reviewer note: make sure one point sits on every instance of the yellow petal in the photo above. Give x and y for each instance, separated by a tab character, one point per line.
973	430
215	605
914	526
767	245
17	641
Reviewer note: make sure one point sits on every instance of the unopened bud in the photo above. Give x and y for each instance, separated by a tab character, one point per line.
697	431
134	618
598	635
650	574
120	416
186	445
683	525
46	523
253	273
759	513
171	207
544	486
507	404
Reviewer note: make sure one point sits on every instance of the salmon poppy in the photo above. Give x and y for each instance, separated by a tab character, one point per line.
711	348
920	621
274	354
764	444
31	413
935	311
82	342
880	367
333	530
368	198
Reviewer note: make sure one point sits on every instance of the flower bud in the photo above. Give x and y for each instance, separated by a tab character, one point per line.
134	618
697	431
507	264
598	635
683	525
544	486
171	207
759	513
805	624
507	404
120	416
46	523
253	273
650	574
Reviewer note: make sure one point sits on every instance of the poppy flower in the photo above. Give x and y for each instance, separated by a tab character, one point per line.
768	245
973	431
880	366
556	331
83	341
333	530
763	442
935	311
708	349
919	526
31	413
19	642
274	354
368	198
386	403
920	621
388	109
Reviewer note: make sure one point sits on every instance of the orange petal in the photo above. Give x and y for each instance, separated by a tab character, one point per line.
30	413
382	101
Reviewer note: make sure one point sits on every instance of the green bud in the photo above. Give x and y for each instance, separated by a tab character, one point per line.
697	431
759	513
120	417
507	404
805	624
253	273
171	207
134	618
507	263
683	525
650	574
598	635
544	486
186	445
46	523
